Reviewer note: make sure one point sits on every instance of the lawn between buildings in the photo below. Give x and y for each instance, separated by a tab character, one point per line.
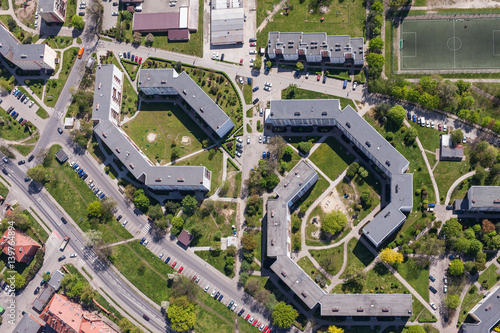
160	127
310	94
447	172
74	196
149	274
332	158
330	259
342	18
323	239
54	87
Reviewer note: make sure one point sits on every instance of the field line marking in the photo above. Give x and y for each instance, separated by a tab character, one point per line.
454	52
415	55
495	54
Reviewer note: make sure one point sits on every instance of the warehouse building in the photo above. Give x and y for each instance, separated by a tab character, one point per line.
226	22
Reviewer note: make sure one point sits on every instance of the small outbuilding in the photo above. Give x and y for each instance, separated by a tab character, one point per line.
69	122
448	152
185	238
61	156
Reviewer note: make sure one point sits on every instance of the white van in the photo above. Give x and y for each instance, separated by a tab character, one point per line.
422	121
138	8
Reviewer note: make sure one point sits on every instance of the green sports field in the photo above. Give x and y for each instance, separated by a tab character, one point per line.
450	44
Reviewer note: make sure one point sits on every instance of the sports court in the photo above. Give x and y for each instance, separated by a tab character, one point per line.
450	44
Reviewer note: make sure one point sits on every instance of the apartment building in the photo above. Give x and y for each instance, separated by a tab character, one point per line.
52	11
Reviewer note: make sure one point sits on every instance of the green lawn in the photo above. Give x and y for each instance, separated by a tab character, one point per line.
350	19
306	264
469	301
264	8
70	11
490	275
490	87
61	42
4	191
169	124
54	87
429	137
358	255
131	67
291	162
129	100
36	86
25	150
212	161
332	158
73	194
36	226
247	93
310	94
330	259
213	219
22	35
5	4
12	130
312	194
416	276
446	172
460	191
218	262
431	158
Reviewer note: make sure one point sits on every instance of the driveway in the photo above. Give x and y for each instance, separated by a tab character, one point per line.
109	21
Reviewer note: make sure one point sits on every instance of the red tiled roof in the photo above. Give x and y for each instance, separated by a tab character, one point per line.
178	34
155	21
185	238
25	248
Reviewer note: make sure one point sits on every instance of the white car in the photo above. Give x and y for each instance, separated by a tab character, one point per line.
464	140
252	52
73	255
239	139
160	256
427	124
269	84
36	24
213	55
307	75
145	242
251	60
433	306
213	293
241	80
31	103
432	124
354	85
207	287
114	14
267	88
238	154
124	223
120	55
444	128
26	100
234	307
217	56
36	15
248	139
260	138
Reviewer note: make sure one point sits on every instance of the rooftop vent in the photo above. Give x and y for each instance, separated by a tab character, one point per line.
488	308
335	310
283	273
348	124
296	114
324	113
158	180
104	135
163	81
117	149
180	180
368	143
497	201
272	213
304	294
202	109
97	106
140	82
272	242
387	215
185	92
388	163
24	56
99	85
385	310
360	310
131	165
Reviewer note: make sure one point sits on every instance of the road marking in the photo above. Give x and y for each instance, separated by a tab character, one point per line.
82	262
145	229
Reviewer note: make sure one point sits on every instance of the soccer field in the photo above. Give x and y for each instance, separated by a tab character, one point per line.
450	44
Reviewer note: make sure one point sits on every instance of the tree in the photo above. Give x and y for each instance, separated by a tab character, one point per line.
366	198
178	66
415	328
457	136
150	39
410	136
333	222
94	210
248	242
189	204
177	225
376	63
452	301
300	66
456	267
77	22
254	205
108	207
475	246
88	293
155	212
171	207
376	44
284	315
181	314
19	281
231	250
269	64
391	256
452	228
11	23
182	286
141	200
487	226
304	147
37	173
335	329
92	237
136	37
290	91
257	63
463	86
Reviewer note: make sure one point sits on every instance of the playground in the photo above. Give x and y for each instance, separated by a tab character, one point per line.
159	128
450	44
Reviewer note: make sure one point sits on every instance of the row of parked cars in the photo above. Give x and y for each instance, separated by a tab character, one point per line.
131	57
22	97
83	175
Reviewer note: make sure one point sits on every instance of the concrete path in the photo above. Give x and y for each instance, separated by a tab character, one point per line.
455	184
277	7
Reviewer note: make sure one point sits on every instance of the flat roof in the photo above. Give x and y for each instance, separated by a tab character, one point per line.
484	197
398	305
13	50
28	324
191	92
178	34
277	228
295	181
486	312
155	21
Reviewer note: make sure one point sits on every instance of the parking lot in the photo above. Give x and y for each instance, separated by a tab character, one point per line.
108	20
22	108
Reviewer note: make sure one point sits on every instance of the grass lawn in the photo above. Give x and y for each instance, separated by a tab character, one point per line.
306	264
485	107
212	161
350	19
4	191
332	158
5	4
469	301
12	130
129	101
358	255
460	191
414	156
310	94
247	92
330	259
131	67
429	137
212	217
60	42
218	262
22	35
431	158
23	149
169	124
446	172
312	194
70	11
54	87
36	86
416	276
264	8
490	87
73	194
36	226
490	275
291	161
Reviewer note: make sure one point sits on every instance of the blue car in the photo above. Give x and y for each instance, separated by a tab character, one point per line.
75	166
167	260
143	240
255	89
263	154
102	196
414	118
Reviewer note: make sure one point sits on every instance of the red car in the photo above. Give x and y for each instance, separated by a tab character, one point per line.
136	57
319	77
248	316
254	322
241	61
140	60
174	263
265	329
253	44
180	269
439	127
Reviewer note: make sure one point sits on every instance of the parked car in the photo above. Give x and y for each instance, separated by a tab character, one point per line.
27	179
432	278
124	223
267	88
433	306
432	289
142	240
354	85
37	290
206	287
61	258
241	312
31	104
160	255
73	255
241	61
173	264
21	162
318	77
439	127
248	140
247	317
180	269
167	260
255	101
59	130
114	14
445	289
221	297
307	75
255	89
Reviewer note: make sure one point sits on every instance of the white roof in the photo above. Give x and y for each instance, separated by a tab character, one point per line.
183	17
69	121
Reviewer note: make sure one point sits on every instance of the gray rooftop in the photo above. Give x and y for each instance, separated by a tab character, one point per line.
102	91
28	324
305	109
11	49
55	279
277	226
454	153
192	93
398	305
46	5
295	181
484	198
486	313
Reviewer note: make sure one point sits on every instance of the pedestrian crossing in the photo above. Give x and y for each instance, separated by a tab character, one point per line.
145	229
53	239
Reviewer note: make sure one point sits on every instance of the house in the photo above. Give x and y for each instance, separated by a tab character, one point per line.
485	315
52	11
185	238
315	47
61	156
481	201
50	288
28	324
284	115
65	316
28	57
24	247
449	153
278	246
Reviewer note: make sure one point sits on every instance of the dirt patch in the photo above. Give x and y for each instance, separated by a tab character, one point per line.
324	9
333	202
185	140
151	137
25	12
462	4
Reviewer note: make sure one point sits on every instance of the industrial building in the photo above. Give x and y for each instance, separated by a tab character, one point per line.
226	22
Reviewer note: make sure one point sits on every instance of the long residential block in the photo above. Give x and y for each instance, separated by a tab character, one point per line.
106	116
486	314
315	47
284	114
278	246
